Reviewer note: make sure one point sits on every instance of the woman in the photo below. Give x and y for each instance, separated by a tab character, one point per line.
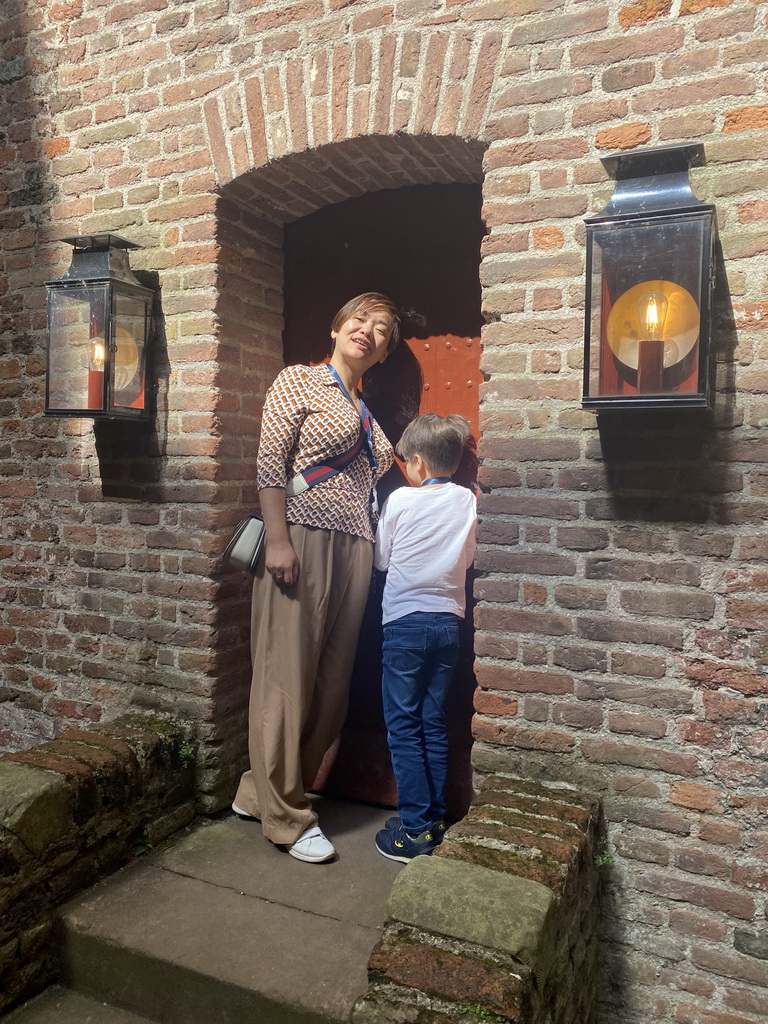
311	586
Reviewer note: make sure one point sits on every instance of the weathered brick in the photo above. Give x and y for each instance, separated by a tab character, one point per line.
643	850
734	968
733	903
495	704
658	819
746	1000
522	680
628	632
697	926
637	725
719	833
669	604
651	758
430	969
702	734
700	863
642	11
521	153
712	675
627	136
580	659
640	570
580	597
577	717
696	797
618	50
489	731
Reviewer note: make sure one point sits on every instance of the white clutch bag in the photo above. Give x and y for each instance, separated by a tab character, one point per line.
243	550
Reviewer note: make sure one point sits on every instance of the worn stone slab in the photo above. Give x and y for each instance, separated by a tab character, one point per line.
187	951
61	1006
222	927
472	903
235	854
35	805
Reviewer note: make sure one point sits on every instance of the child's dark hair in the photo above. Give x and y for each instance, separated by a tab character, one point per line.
439	440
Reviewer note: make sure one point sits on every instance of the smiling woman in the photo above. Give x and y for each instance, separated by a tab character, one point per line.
320	455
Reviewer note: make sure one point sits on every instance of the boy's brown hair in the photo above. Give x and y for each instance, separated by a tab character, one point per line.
439	440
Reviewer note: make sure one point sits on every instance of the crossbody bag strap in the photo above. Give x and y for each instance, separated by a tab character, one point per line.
324	471
334	464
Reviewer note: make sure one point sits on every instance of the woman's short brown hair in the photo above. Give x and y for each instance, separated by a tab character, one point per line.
362	304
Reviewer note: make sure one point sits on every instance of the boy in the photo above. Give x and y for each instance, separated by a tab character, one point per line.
426	543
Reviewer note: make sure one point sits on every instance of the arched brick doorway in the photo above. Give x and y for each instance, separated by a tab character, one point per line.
255	214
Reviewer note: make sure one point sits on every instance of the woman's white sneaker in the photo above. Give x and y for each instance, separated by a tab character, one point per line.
243	814
312	847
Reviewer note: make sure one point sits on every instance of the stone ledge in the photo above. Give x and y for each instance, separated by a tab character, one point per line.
72	811
501	923
462	901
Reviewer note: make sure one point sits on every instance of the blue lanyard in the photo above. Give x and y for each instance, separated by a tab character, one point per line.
436	480
365	418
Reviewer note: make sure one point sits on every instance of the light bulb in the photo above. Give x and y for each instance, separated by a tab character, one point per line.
652	309
97	354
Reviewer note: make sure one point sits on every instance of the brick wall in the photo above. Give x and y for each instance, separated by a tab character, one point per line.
502	922
72	811
621	615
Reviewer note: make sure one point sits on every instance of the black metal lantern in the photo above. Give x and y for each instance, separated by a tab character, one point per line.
650	276
99	318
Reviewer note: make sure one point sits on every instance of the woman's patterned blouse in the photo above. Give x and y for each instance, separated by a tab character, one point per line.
307	418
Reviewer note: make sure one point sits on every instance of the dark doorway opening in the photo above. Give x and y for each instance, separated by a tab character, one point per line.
421	246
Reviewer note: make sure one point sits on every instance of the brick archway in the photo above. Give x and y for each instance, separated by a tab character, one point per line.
434	84
251	213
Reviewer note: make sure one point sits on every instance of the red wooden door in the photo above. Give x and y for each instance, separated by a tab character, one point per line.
450	366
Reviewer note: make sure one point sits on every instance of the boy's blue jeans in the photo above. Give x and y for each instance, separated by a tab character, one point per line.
419	655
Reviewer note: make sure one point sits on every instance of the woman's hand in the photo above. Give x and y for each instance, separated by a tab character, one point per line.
281	562
280	558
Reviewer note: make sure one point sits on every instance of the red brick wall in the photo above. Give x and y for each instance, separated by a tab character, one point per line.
621	621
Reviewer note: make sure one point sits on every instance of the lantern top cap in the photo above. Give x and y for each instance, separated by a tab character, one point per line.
643	163
100	242
653	181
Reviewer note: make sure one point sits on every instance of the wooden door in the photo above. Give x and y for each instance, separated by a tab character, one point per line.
420	246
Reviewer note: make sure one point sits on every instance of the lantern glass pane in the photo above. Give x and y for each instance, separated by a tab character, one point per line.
77	348
645	307
129	340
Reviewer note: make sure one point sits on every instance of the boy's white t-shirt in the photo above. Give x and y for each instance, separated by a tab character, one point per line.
426	542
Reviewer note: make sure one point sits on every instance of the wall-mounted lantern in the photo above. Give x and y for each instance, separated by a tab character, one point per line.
99	319
650	275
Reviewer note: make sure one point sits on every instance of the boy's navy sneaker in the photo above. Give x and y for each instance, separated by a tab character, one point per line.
396	844
437	828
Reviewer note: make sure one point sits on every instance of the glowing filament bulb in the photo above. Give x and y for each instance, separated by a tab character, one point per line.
652	309
97	355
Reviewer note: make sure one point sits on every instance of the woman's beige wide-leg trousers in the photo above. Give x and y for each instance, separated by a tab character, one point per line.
303	643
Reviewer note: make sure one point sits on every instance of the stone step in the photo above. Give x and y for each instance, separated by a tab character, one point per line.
62	1006
224	928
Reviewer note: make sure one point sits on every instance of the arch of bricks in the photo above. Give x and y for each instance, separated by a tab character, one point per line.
302	133
436	83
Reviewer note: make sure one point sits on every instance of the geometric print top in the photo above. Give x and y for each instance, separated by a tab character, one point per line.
306	419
